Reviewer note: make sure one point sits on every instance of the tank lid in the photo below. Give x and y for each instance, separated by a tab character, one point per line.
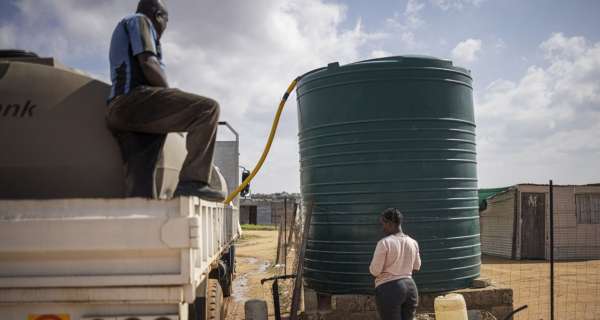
16	53
404	61
410	61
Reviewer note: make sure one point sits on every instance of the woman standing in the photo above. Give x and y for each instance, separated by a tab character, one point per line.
395	259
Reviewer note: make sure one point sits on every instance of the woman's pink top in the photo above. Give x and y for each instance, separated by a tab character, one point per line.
395	257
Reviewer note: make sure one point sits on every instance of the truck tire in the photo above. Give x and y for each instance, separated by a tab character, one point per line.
228	288
215	307
224	274
197	310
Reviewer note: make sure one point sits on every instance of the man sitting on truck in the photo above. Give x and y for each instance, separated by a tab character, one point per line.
141	100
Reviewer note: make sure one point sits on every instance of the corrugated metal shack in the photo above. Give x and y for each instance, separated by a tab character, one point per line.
260	211
515	222
255	211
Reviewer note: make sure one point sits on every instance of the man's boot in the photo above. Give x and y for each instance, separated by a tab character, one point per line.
198	189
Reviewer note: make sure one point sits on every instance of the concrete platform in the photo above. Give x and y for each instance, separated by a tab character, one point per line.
494	300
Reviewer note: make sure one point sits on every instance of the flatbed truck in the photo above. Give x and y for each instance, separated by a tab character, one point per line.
74	244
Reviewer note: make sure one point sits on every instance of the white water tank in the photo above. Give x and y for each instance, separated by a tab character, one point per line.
54	142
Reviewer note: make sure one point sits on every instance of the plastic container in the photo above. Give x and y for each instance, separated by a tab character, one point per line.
391	132
450	307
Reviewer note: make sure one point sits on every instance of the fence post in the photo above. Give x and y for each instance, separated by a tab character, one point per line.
551	250
285	244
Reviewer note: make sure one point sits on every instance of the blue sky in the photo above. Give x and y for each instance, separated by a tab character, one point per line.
536	66
521	25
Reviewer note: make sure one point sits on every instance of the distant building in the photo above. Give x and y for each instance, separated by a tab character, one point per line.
265	211
515	222
255	211
278	211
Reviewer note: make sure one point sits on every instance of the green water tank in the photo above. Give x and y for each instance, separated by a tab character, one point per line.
390	132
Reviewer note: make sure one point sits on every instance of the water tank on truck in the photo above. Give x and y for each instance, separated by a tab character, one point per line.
54	142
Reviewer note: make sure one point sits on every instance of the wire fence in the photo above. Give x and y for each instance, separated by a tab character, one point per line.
577	286
518	242
291	230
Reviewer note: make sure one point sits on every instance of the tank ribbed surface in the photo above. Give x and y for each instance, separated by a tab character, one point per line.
392	132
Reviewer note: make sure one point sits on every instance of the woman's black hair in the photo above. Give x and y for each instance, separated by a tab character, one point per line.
392	215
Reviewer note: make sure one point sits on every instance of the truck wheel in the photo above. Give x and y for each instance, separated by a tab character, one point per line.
228	288
197	310
214	301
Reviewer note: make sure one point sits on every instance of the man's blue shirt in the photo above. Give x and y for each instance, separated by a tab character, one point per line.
135	34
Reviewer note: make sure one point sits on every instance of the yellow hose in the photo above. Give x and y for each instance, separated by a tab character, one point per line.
267	146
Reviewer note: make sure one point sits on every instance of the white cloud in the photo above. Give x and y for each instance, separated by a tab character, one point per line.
7	39
466	51
406	24
380	54
559	47
413	13
500	44
55	27
547	124
242	53
455	4
248	64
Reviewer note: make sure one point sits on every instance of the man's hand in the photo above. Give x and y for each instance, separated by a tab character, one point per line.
152	70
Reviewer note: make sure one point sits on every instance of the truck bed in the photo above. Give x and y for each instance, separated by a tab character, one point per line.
140	248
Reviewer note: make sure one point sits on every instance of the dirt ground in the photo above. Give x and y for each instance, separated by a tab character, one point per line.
255	255
577	287
577	284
